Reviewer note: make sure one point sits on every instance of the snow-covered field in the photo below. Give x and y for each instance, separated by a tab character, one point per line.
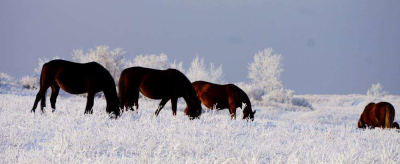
280	133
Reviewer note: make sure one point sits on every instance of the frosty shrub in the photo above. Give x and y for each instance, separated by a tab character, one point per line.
178	66
38	69
265	71
199	71
252	91
376	91
6	80
279	96
29	82
112	60
299	101
33	82
153	61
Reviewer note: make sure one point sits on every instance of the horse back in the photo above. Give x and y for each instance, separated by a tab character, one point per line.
378	115
237	94
385	112
77	78
155	84
211	94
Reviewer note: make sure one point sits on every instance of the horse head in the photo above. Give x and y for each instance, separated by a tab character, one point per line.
113	102
249	115
361	124
193	108
396	125
247	111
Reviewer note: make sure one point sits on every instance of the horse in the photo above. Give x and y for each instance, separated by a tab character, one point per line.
378	115
77	78
166	85
224	96
396	125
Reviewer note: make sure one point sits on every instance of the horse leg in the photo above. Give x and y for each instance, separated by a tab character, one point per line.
174	102
55	89
89	103
161	105
136	101
232	110
40	96
132	100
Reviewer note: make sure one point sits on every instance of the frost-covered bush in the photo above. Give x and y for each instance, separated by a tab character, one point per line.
252	91
376	91
299	101
29	82
178	66
112	60
265	71
199	71
6	80
32	82
279	96
150	61
38	69
153	61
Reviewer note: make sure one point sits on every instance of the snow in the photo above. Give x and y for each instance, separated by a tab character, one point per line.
281	133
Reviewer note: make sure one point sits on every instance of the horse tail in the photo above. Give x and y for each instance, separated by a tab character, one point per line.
40	78
389	116
121	90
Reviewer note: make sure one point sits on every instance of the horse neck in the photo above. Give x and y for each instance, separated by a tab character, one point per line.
189	97
111	95
248	108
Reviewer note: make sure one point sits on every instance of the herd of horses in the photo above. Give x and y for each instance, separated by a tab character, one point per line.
165	85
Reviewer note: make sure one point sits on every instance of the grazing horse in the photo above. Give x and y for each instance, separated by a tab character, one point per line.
166	85
76	78
396	125
224	96
378	115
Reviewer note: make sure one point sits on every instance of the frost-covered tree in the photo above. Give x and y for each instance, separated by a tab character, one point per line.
32	82
376	91
29	82
38	70
112	60
6	80
265	71
178	66
198	71
154	61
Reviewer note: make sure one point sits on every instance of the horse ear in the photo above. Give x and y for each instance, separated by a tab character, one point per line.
254	112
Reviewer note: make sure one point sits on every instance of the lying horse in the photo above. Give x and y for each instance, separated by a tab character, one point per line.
76	78
224	96
378	115
166	85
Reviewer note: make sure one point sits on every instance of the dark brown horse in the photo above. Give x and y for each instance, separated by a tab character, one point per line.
378	115
224	96
76	78
166	85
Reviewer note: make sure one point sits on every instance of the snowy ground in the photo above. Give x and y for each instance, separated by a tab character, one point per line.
279	134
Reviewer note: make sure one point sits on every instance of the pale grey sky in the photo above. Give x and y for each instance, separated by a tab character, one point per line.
329	47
